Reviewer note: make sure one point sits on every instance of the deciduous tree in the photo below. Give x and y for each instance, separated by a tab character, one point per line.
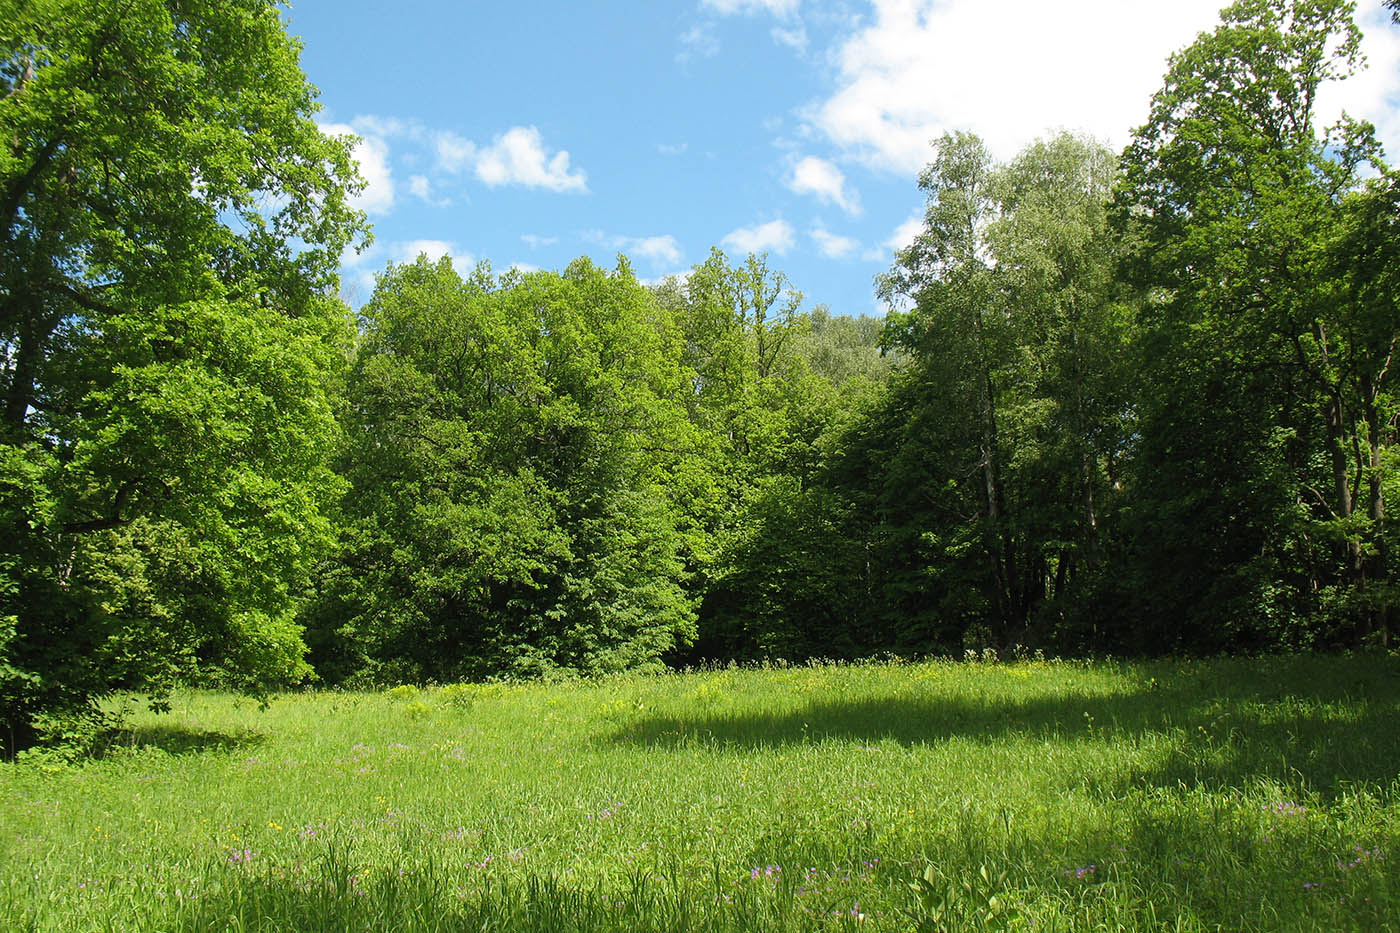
1268	332
171	220
512	447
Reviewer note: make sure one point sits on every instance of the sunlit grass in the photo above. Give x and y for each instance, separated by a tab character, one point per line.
1237	795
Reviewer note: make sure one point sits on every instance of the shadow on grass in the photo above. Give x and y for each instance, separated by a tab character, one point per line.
424	900
1330	721
1165	864
176	740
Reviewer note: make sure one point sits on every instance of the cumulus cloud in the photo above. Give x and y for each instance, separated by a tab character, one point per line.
410	250
535	241
518	157
658	250
819	177
1374	93
915	71
777	236
904	235
372	154
833	246
454	153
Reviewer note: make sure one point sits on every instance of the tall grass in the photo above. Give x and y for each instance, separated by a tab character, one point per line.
1236	795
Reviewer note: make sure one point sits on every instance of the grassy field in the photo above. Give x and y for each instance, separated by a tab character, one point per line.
1234	795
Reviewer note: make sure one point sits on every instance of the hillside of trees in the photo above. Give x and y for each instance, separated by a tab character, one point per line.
1137	402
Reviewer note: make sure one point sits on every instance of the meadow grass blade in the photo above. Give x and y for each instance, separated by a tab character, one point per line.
1227	794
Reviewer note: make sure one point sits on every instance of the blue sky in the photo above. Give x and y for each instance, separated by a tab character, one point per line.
532	132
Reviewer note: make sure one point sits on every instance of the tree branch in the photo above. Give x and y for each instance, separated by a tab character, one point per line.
86	301
10	205
25	77
112	521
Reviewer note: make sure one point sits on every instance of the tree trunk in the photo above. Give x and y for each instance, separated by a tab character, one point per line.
1380	614
24	375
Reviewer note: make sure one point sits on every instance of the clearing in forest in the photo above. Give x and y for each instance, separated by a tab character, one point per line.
1234	794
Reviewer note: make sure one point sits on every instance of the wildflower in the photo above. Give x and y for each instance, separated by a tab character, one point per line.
241	856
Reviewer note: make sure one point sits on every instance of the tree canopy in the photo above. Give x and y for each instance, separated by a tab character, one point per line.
1267	410
510	443
171	221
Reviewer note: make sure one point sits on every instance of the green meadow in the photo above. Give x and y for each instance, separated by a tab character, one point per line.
1032	795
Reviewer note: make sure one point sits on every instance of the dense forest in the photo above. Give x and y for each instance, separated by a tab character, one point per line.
1136	402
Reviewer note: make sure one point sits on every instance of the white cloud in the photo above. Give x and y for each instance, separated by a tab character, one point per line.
833	246
812	175
903	235
781	8
659	250
681	277
699	41
1013	70
518	157
421	187
776	235
672	149
795	38
410	250
372	154
371	125
524	268
357	272
535	242
1374	94
454	153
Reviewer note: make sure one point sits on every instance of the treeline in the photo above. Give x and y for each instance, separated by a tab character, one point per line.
561	471
1137	402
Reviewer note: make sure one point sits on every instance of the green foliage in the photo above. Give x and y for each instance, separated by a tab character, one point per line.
510	446
976	901
1267	404
164	349
977	483
771	389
